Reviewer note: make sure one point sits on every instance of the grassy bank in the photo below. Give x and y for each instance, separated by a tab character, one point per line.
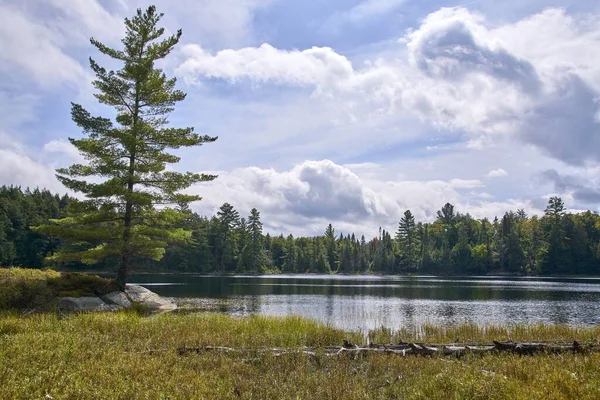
35	289
96	356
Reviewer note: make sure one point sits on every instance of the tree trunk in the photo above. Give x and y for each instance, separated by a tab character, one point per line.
125	254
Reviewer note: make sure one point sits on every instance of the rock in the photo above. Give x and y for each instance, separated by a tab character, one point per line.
117	298
86	304
139	294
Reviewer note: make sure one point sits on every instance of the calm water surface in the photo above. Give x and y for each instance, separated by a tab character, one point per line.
368	302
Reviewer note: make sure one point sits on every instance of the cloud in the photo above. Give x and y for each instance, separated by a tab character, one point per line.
580	188
565	127
215	23
304	199
80	19
34	50
453	44
311	67
41	39
21	170
496	173
456	72
62	149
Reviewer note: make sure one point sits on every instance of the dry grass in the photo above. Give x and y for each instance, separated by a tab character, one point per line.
102	356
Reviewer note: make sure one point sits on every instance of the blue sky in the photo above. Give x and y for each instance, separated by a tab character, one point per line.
347	112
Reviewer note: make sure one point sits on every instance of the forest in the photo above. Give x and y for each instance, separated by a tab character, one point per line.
557	243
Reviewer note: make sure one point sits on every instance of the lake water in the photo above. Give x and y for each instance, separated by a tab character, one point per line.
368	302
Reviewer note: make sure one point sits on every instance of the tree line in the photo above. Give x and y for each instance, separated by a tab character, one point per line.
19	211
556	243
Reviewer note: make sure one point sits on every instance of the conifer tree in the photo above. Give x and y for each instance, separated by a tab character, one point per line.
255	228
407	236
125	176
228	219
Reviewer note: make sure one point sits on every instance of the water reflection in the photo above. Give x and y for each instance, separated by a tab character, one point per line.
367	302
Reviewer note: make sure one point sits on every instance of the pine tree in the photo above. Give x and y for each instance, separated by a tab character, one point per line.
255	228
290	255
228	219
407	236
556	257
332	251
119	219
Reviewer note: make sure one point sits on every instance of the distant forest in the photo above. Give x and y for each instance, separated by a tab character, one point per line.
556	243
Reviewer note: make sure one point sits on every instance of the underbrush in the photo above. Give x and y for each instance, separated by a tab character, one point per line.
34	289
126	356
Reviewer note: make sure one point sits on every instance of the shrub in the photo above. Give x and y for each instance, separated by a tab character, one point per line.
22	288
73	284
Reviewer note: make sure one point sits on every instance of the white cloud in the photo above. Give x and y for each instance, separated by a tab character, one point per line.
80	19
40	39
304	199
22	170
496	173
62	148
457	72
313	67
215	23
34	48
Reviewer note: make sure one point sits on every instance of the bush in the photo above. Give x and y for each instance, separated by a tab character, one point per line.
73	284
22	288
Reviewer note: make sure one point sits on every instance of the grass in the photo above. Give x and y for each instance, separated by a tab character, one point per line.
96	356
23	288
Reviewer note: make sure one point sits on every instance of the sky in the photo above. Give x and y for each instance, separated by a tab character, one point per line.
331	111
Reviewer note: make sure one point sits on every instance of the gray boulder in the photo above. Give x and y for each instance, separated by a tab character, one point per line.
117	298
141	295
83	304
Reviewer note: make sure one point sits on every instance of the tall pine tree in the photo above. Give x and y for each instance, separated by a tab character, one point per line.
125	176
255	228
407	236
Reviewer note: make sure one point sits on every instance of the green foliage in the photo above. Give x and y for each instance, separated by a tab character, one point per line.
407	241
118	220
20	209
556	243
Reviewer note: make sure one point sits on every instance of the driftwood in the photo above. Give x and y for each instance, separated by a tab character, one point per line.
403	349
197	350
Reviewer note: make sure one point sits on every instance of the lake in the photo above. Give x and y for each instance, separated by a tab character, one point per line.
368	302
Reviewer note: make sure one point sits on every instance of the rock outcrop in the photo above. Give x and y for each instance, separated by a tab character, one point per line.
133	294
83	304
118	298
145	297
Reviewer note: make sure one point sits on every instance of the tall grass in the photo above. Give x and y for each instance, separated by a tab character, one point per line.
104	356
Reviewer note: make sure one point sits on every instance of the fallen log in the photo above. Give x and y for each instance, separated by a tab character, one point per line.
197	350
402	348
421	349
533	348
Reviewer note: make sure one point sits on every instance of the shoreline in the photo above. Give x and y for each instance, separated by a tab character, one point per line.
275	274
